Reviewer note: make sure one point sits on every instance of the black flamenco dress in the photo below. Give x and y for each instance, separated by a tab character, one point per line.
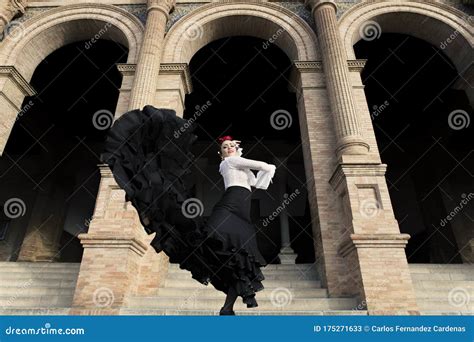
149	154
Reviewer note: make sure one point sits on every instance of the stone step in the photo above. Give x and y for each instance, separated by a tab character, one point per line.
38	265
39	270
59	311
263	304
36	301
35	291
271	267
439	266
50	283
191	283
442	276
21	276
240	312
443	284
272	276
444	305
445	313
211	292
439	293
430	272
264	271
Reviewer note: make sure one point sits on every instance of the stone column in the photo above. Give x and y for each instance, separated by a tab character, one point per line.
287	254
42	237
9	9
348	131
148	66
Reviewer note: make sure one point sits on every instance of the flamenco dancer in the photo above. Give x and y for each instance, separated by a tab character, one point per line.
149	154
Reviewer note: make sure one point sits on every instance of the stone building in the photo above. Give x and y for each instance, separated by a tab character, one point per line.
363	106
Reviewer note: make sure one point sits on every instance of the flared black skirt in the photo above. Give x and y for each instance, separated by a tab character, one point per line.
149	154
231	245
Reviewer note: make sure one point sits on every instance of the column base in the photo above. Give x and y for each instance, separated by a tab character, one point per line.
287	256
385	280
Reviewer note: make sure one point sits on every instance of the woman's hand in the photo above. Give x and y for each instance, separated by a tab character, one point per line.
237	144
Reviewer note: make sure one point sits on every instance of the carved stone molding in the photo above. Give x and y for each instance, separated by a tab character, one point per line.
11	72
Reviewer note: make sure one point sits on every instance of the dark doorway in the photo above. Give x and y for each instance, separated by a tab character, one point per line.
50	161
241	88
415	114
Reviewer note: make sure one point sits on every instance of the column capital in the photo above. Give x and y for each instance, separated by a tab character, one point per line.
166	6
9	9
314	4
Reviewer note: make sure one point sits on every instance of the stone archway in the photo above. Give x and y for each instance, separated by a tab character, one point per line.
440	25
443	27
217	20
45	33
214	21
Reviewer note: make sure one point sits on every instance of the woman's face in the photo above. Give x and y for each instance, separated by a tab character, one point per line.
228	148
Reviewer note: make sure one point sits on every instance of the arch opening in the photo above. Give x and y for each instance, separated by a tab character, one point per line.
242	89
420	122
49	165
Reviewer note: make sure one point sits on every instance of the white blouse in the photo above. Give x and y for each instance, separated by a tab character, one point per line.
236	171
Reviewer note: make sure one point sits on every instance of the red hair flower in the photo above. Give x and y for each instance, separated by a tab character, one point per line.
224	138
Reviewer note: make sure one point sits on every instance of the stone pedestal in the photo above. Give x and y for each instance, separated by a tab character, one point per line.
118	262
375	249
42	237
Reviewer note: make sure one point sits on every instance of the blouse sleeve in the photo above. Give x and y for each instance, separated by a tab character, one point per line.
244	163
264	175
264	178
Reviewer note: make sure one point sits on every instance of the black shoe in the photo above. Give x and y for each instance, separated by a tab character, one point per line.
226	312
253	303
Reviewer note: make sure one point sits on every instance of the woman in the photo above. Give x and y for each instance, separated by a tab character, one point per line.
148	153
237	260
